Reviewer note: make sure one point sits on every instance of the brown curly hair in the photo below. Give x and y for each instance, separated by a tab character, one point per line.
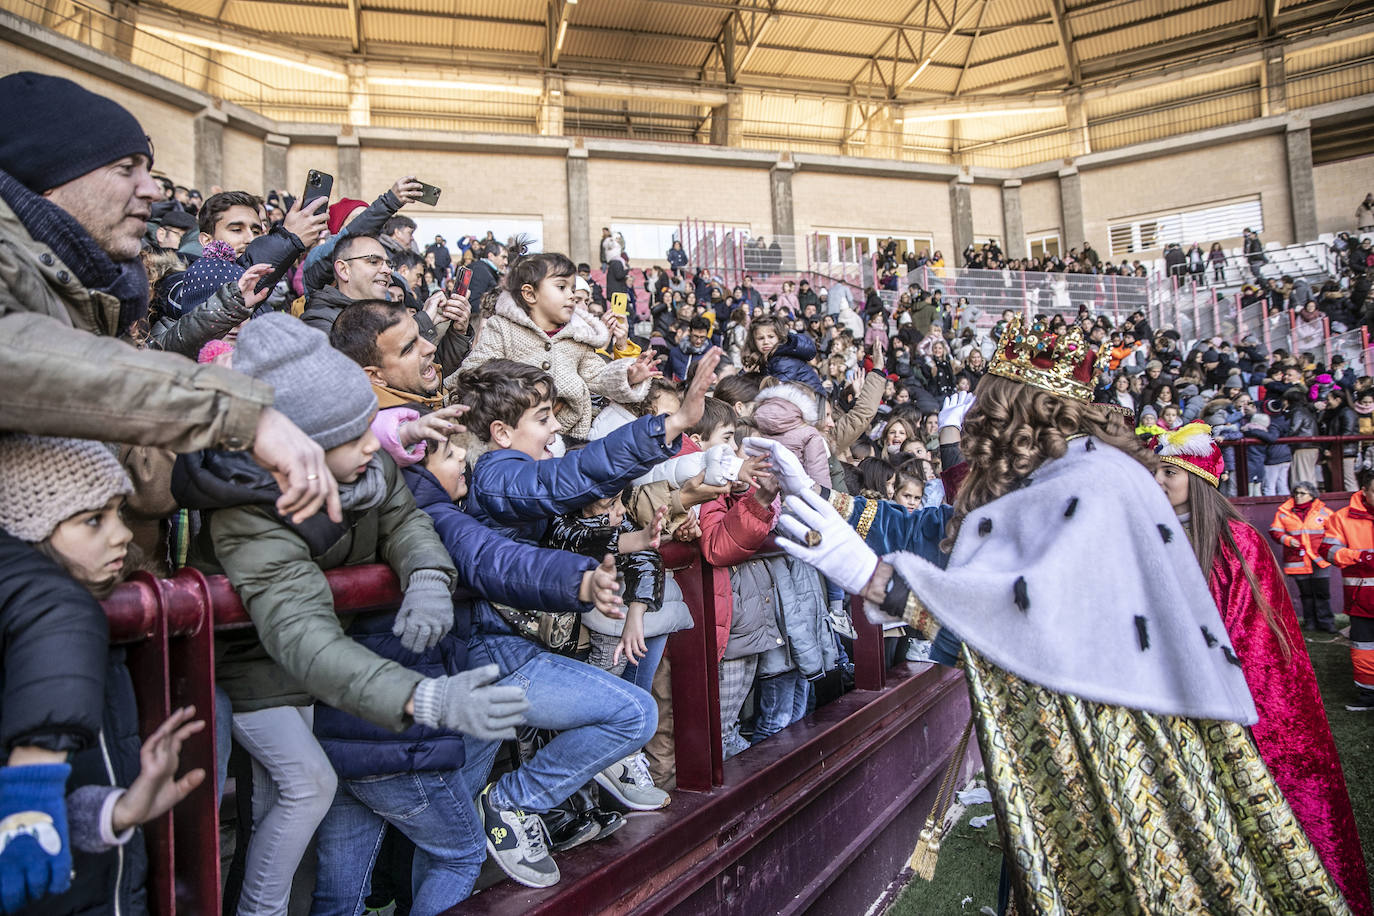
1013	428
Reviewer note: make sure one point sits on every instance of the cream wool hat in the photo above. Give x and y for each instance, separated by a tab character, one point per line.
46	480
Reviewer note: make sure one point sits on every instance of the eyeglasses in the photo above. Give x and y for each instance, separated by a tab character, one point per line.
373	260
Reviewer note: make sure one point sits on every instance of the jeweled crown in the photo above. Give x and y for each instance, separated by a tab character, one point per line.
1058	362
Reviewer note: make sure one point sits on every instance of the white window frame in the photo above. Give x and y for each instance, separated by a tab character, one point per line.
1041	238
1149	232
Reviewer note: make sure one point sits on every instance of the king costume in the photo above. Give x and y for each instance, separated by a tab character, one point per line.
1109	703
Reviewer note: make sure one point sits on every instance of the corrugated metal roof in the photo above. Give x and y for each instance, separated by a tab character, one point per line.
1228	82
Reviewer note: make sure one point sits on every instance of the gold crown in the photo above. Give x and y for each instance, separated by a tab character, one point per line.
1060	363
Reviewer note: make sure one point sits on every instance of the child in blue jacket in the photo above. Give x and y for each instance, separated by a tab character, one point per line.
775	350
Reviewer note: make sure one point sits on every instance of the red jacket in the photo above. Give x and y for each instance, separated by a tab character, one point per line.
1350	533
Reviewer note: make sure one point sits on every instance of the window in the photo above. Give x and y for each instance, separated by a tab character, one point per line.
1043	245
453	228
847	246
647	241
1204	224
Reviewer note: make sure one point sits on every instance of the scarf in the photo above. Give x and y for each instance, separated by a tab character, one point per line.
52	226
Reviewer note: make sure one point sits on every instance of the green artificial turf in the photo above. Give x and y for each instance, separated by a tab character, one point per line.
966	874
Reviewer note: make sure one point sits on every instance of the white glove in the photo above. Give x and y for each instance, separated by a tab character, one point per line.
792	477
722	466
954	409
841	556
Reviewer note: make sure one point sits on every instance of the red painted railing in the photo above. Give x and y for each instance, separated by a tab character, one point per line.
169	624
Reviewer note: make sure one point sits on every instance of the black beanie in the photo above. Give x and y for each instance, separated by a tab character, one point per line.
63	132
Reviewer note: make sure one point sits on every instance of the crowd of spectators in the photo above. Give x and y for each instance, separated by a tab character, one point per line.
555	475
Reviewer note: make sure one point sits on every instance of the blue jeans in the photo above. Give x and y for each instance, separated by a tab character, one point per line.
599	718
433	809
781	701
642	674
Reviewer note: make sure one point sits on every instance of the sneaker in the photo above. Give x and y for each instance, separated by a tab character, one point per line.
841	623
918	650
518	843
629	782
1362	706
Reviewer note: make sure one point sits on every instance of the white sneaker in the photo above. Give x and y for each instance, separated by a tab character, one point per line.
629	782
841	623
918	650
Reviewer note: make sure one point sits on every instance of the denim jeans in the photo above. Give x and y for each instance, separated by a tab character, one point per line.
599	718
433	809
293	788
781	701
642	674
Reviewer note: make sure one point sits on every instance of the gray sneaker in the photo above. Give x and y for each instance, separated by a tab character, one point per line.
518	843
629	782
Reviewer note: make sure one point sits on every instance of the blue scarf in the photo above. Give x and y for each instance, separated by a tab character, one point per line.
52	226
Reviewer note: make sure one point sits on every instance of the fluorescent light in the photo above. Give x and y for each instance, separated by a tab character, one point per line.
562	34
214	45
919	70
983	113
464	85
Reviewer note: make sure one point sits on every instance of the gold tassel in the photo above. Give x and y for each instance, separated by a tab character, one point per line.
927	851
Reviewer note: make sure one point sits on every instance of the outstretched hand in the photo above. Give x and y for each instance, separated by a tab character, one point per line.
248	285
157	790
601	588
694	401
435	426
644	368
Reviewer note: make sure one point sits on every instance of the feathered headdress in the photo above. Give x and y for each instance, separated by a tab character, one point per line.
1192	448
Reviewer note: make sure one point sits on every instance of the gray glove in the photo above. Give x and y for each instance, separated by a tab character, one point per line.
464	703
426	613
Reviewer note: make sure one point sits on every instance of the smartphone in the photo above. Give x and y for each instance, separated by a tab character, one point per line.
461	277
317	184
620	304
429	194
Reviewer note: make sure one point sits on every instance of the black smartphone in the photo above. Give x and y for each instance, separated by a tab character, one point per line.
317	184
429	194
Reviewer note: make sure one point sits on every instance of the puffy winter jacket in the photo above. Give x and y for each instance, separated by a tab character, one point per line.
641	571
319	264
791	362
300	651
518	496
1349	535
1301	529
808	646
733	529
1342	421
755	626
681	357
323	307
219	315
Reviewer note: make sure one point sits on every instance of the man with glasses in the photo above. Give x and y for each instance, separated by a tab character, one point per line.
361	271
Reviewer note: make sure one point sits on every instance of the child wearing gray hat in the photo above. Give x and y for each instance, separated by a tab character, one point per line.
400	671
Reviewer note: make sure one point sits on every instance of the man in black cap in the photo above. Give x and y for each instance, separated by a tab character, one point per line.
75	197
168	224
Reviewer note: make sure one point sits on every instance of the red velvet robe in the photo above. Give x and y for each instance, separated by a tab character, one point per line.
1292	734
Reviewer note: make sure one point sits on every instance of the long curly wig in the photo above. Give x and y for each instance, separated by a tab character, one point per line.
1013	428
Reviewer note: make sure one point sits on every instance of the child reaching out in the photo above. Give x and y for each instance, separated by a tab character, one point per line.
536	324
773	349
788	413
603	527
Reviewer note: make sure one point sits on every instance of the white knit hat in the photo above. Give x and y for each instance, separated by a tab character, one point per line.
46	480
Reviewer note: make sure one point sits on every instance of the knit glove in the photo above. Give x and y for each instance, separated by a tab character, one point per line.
426	613
792	477
465	703
35	858
841	556
955	408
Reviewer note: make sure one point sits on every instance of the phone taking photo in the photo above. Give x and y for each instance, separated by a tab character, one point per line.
429	194
317	184
620	304
461	277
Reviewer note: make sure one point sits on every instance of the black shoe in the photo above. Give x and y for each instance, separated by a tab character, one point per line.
1327	628
568	829
608	821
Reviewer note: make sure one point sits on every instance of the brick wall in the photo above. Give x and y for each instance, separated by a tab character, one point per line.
302	157
1340	188
987	216
1040	214
242	162
831	201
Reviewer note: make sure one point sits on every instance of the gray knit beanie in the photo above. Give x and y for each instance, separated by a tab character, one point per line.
45	480
319	389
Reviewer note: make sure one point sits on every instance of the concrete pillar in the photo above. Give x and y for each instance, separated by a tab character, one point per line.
1302	191
1071	209
1273	83
274	148
1079	144
550	116
960	216
349	181
120	42
359	99
727	128
579	208
207	145
784	225
1014	245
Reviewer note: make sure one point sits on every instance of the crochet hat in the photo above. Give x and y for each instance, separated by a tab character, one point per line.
60	131
203	278
1191	448
46	480
319	389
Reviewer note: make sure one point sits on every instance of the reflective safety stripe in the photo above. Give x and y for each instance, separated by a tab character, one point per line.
1354	581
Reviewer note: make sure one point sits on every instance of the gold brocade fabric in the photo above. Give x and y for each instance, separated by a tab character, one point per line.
1112	810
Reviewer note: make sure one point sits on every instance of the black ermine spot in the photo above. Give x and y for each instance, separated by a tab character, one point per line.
1230	656
1020	483
1073	507
985	527
1207	635
1165	533
1020	594
1090	446
1142	632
